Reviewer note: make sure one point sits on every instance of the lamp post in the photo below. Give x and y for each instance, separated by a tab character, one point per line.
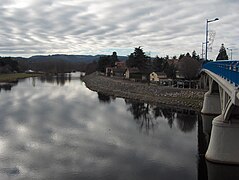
202	49
208	21
230	49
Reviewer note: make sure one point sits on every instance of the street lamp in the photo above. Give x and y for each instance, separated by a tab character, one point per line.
230	49
202	49
208	21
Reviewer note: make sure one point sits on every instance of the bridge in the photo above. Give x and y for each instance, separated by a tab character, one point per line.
222	99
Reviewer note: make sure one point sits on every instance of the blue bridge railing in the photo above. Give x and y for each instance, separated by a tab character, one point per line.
228	70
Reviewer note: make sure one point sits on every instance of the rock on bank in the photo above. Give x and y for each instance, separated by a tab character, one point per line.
152	93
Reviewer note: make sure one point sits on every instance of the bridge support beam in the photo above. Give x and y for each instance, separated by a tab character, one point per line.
211	104
223	146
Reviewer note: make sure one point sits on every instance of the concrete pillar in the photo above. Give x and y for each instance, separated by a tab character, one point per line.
224	144
211	104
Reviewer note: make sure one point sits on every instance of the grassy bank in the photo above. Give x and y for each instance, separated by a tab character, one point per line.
16	76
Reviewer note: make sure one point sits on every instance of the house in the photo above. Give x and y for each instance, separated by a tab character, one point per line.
135	74
131	72
120	64
119	72
119	69
29	71
109	71
156	76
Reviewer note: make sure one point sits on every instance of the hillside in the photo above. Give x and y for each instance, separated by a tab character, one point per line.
66	58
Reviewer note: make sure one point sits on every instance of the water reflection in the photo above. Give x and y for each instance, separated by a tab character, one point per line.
104	98
186	120
59	79
7	86
71	134
166	113
147	116
143	114
222	172
206	169
202	148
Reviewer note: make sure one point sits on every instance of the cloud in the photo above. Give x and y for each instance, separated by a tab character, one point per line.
77	27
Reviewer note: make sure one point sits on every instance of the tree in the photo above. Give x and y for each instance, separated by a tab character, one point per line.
195	56
103	62
188	54
8	65
158	64
222	54
181	56
91	67
107	61
138	59
114	58
170	70
189	67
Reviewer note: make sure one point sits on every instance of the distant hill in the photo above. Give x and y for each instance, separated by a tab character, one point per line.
66	58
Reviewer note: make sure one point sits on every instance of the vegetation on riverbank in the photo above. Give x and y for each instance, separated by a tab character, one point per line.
15	76
152	93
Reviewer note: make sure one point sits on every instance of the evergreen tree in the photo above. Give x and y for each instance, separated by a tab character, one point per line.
114	59
222	54
138	59
195	56
188	54
103	62
181	56
107	61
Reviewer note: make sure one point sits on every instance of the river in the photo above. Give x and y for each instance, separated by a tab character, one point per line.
56	128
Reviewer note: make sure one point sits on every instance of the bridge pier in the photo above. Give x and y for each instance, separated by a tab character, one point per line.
224	145
212	100
222	99
211	104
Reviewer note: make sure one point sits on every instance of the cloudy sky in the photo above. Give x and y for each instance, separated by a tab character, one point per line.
161	27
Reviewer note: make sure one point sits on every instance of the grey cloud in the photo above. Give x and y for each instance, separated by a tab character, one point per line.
44	24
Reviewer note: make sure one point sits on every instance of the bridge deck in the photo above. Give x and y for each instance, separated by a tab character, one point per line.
228	70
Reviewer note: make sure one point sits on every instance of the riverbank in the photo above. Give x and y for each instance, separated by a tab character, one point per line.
7	78
152	93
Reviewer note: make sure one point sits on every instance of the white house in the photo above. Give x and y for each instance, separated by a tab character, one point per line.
156	76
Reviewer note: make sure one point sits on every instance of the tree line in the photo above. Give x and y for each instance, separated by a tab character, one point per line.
7	65
147	64
11	64
187	64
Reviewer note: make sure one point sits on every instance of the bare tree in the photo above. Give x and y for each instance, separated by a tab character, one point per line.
189	67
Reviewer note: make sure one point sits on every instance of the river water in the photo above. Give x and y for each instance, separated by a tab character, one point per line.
56	128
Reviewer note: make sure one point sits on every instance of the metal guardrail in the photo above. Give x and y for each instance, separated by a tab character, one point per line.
228	70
